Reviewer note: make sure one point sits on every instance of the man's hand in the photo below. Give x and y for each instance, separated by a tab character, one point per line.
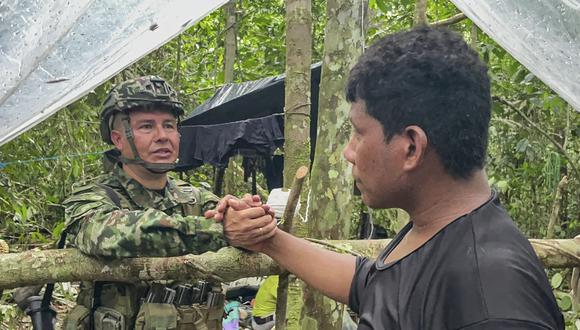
247	222
248	227
219	211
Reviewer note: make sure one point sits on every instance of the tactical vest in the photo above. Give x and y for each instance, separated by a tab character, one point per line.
158	305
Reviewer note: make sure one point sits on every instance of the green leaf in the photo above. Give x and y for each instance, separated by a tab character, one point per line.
383	5
502	185
57	230
557	280
565	302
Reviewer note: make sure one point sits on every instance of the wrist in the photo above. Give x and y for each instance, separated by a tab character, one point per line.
271	246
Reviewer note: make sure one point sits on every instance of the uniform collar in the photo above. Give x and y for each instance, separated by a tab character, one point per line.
147	198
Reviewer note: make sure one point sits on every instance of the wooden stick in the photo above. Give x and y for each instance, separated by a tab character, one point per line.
556	207
282	293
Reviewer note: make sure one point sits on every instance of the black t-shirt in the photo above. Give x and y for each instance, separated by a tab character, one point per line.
479	272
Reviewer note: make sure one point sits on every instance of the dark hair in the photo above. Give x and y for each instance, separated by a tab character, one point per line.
429	78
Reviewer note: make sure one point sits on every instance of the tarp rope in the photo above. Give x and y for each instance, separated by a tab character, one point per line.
42	159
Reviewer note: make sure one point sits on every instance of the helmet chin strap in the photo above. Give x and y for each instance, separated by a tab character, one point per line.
156	168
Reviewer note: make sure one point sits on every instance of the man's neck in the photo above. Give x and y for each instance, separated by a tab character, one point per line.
441	202
149	180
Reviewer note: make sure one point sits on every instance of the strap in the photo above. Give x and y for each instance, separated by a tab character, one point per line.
46	299
112	194
96	302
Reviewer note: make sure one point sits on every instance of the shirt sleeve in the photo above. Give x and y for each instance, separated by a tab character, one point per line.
357	286
506	324
98	227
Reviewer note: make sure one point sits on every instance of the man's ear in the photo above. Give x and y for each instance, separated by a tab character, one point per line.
117	138
416	146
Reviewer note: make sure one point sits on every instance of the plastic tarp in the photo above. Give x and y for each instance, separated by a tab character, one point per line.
53	52
241	118
250	99
543	35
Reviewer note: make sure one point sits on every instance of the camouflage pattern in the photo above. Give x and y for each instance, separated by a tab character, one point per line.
146	224
143	92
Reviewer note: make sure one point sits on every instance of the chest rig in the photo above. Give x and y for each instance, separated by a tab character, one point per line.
154	305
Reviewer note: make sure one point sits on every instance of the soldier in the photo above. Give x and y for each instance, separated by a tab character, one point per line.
136	210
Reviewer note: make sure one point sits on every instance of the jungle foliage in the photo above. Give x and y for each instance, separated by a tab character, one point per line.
534	135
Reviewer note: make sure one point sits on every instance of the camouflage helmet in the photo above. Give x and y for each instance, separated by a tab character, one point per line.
140	92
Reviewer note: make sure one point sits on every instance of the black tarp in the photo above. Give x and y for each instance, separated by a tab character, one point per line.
247	100
241	119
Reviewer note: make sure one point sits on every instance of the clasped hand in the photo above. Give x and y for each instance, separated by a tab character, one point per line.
247	222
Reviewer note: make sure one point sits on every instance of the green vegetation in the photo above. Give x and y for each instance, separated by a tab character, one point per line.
534	136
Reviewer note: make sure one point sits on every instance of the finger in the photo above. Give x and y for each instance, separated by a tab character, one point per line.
237	204
223	203
210	214
251	235
250	225
252	200
219	217
269	227
252	212
264	237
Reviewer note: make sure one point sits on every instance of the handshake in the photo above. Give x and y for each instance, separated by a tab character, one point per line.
247	222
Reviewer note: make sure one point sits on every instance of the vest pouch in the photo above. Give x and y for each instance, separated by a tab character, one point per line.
190	317
153	316
212	316
77	319
109	319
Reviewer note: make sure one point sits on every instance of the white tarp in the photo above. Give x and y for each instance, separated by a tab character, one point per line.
543	35
53	52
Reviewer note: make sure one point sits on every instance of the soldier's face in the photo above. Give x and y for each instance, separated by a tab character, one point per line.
155	136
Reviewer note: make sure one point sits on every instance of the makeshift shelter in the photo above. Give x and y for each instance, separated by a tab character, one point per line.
52	52
243	119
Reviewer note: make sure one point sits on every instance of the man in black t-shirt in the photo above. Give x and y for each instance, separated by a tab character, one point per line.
420	111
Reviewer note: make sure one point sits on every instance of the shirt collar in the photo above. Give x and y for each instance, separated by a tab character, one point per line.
146	198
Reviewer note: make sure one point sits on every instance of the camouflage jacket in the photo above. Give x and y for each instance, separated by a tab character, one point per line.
140	222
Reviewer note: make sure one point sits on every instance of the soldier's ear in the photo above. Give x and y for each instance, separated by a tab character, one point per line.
117	138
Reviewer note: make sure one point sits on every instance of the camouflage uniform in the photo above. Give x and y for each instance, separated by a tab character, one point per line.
117	217
147	223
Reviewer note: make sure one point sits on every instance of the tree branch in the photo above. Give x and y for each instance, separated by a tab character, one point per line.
556	207
539	129
449	21
228	264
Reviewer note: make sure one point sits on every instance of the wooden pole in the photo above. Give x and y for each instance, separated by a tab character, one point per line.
282	293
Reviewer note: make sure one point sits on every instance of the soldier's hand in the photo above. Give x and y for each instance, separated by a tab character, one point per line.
248	227
249	201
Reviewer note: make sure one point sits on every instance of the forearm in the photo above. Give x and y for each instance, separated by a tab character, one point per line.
123	233
327	271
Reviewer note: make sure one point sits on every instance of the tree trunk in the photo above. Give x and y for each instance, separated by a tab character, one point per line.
230	48
230	41
228	264
331	179
297	115
297	87
420	17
